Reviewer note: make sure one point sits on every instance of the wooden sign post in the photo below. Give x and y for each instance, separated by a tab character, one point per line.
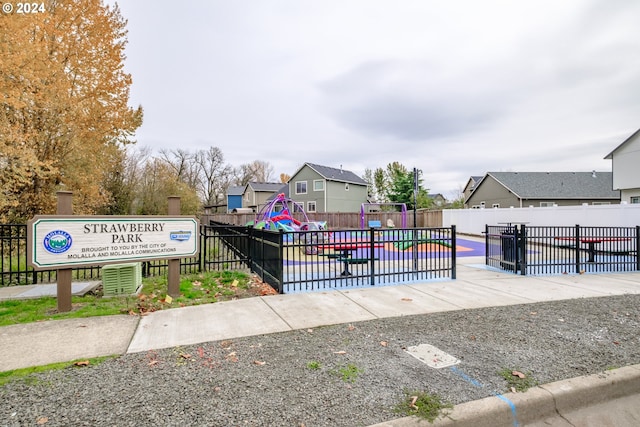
63	277
173	274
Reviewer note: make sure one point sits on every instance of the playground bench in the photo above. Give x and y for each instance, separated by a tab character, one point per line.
375	224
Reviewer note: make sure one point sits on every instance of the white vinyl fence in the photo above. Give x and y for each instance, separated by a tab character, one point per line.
473	221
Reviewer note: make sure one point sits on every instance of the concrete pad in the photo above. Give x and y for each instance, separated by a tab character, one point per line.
42	343
46	290
204	323
400	300
480	271
537	289
463	294
13	292
309	310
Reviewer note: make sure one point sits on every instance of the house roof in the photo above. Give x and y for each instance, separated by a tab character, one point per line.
265	186
334	174
610	155
236	190
284	189
557	185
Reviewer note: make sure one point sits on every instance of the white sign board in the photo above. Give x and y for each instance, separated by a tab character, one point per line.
72	241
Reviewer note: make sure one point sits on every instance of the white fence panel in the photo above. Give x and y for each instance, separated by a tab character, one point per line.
473	221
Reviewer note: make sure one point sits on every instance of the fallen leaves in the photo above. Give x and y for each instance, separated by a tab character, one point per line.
82	363
413	401
259	362
518	374
42	420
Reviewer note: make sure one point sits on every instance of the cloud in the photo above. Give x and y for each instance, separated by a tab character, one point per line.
412	100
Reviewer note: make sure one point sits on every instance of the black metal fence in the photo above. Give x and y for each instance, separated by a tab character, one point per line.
541	250
314	260
13	256
288	261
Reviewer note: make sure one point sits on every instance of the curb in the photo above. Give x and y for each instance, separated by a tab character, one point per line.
539	404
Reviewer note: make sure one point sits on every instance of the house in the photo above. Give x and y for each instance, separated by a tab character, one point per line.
256	194
437	200
234	197
326	189
625	160
542	189
470	186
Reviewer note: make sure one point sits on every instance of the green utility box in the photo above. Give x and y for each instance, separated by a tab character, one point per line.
121	279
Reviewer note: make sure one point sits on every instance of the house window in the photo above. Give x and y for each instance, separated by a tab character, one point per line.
546	204
346	186
318	185
301	187
311	206
601	203
635	200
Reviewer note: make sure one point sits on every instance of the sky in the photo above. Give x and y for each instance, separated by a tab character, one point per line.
455	88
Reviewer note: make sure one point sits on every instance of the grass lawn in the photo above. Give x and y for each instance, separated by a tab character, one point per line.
195	289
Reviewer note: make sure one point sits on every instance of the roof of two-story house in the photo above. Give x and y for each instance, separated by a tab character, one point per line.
625	160
539	189
326	189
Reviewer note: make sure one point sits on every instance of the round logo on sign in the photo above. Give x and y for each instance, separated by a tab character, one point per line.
57	241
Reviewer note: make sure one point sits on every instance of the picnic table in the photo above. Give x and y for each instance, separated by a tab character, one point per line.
592	242
345	251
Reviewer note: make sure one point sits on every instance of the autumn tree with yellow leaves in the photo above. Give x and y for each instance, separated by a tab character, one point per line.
64	113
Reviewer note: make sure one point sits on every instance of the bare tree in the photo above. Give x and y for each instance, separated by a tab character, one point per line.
184	165
256	171
216	176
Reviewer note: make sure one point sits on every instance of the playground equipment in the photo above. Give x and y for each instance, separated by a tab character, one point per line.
276	215
403	212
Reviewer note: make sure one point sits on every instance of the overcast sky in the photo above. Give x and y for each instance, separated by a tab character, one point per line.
455	88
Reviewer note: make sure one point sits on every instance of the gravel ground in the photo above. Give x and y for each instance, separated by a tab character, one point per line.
344	375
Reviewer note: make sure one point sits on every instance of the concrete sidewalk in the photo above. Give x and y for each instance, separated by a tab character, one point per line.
65	340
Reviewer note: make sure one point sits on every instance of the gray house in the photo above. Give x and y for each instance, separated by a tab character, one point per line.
471	185
256	194
625	161
325	189
542	189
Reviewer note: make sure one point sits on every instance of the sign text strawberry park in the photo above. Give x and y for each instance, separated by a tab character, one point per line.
72	241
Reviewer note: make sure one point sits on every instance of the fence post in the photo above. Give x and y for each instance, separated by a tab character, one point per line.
453	252
173	274
522	250
372	270
281	264
63	277
577	251
637	247
486	244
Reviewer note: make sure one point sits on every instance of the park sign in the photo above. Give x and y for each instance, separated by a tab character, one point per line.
59	241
